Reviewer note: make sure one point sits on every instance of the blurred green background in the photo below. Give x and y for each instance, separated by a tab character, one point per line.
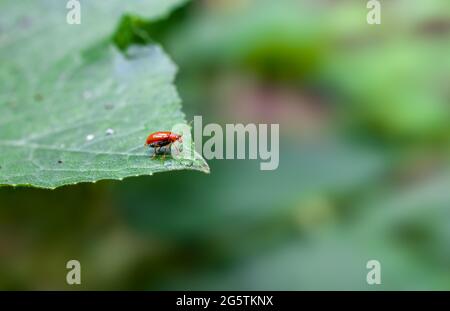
364	115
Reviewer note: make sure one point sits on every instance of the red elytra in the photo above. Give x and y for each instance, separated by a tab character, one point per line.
161	139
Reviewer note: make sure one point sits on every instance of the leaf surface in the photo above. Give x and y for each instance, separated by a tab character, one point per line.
72	107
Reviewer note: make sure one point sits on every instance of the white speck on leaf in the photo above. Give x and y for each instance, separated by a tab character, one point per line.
109	131
90	137
87	95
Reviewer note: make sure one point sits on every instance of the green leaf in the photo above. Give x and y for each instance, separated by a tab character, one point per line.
72	107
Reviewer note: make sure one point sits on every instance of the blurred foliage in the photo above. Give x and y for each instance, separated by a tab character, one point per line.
363	174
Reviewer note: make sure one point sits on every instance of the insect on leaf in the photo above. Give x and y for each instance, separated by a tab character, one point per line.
72	107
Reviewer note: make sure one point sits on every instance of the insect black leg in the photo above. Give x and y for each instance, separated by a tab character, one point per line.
164	153
155	152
